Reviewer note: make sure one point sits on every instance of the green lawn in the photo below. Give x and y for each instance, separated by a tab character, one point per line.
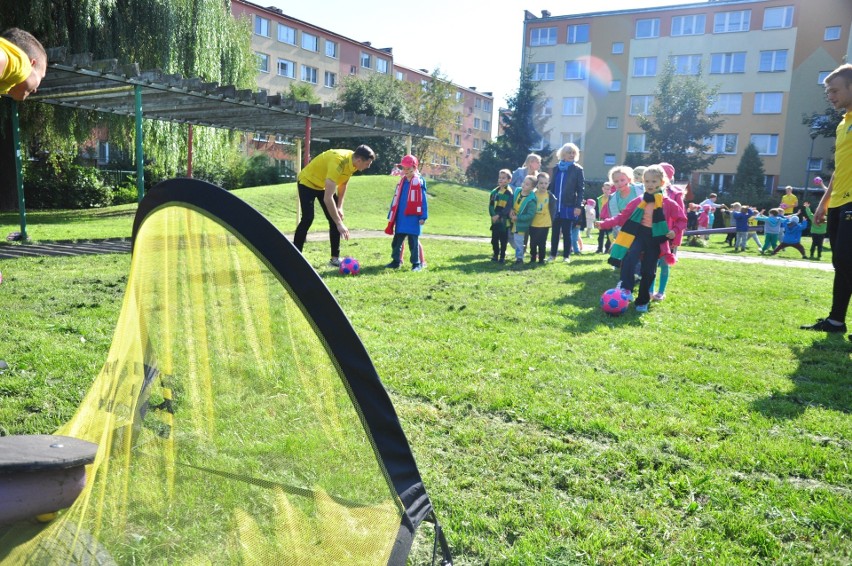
710	430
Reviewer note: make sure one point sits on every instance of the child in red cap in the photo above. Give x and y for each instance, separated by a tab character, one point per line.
408	213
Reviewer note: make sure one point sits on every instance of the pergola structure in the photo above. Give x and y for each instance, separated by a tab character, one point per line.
77	81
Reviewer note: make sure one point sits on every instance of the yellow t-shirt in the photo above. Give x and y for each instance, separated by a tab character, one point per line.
841	180
334	164
791	201
542	211
18	66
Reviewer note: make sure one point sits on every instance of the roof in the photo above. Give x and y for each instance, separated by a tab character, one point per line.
76	81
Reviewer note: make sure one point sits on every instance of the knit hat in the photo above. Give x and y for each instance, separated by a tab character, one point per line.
669	169
591	202
794	220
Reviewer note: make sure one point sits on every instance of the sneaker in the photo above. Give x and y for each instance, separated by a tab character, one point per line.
567	259
642	308
627	295
417	267
552	258
494	258
393	265
658	296
518	261
334	262
824	326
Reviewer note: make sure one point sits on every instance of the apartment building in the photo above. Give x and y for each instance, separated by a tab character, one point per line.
767	58
291	51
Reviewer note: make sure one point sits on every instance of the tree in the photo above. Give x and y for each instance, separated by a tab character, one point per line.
678	125
524	128
381	96
431	105
748	186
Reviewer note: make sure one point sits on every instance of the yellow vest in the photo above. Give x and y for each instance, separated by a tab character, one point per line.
18	67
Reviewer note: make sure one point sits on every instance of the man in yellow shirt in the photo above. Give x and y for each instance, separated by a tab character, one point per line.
23	63
836	204
325	179
789	201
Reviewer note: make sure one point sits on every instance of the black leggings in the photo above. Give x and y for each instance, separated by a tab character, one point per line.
840	238
307	196
538	243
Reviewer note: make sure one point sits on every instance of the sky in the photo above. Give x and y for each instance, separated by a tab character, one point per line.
473	43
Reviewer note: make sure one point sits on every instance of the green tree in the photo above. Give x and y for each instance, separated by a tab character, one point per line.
524	127
748	186
678	125
380	96
431	105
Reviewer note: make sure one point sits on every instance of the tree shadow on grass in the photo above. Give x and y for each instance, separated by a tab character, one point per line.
822	379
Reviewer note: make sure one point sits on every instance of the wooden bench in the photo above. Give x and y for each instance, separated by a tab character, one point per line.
41	474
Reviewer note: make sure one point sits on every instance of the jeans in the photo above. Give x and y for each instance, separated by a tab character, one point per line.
414	249
520	248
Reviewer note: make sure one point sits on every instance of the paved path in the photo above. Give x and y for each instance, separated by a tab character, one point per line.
92	247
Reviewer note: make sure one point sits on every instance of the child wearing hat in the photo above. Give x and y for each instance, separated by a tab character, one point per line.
792	237
408	212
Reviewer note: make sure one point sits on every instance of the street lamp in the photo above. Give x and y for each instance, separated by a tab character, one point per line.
814	133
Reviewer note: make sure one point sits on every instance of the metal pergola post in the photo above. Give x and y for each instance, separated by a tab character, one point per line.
19	175
140	158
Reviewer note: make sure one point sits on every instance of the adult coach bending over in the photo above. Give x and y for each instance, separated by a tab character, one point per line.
325	178
23	63
836	204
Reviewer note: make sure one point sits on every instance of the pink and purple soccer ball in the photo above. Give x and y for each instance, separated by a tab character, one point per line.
349	266
817	180
615	301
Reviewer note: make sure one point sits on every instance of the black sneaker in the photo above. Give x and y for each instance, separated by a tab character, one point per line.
824	326
393	265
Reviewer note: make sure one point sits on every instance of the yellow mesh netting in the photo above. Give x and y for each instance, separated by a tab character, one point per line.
226	433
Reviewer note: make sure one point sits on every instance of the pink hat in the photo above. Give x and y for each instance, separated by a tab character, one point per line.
409	161
591	202
669	169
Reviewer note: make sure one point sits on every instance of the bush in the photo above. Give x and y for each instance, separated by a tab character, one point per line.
260	170
64	185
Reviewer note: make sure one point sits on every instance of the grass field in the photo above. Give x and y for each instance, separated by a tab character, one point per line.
709	430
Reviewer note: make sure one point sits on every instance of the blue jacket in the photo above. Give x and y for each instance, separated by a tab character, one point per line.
568	186
406	224
793	232
741	219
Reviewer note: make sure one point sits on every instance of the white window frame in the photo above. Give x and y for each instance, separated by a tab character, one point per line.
547	107
617	47
694	24
310	42
773	61
815	164
261	26
609	159
331	49
722	144
643	100
727	63
542	36
766	144
477	124
292	65
381	65
768	102
647	28
686	64
780	17
366	60
284	37
832	33
573	106
732	22
262	61
612	122
578	33
543	71
637	143
308	73
330	79
615	85
573	137
727	103
648	66
576	70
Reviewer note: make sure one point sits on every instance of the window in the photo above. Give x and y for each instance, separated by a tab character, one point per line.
261	26
366	60
486	125
778	18
457	140
331	49
822	76
722	143
477	103
286	34
773	61
486	105
719	182
615	85
768	102
832	33
309	74
618	47
730	22
262	62
727	103
636	143
542	36
103	153
475	143
766	144
547	107
609	159
645	67
330	79
310	42
258	137
459	96
572	137
688	25
641	104
727	63
572	106
382	66
575	70
648	28
686	64
476	124
578	34
280	139
814	164
286	69
612	122
543	71
400	76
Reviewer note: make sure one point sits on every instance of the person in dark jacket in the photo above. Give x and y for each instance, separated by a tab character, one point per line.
567	185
